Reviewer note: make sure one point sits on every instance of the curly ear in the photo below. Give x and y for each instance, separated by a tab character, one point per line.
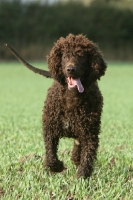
54	60
97	63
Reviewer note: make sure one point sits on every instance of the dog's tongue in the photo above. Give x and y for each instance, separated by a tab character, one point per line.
72	83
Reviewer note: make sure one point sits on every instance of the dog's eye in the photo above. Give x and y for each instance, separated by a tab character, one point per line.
80	55
65	57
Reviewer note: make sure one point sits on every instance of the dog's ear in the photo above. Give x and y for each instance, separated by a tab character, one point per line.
98	64
96	61
54	60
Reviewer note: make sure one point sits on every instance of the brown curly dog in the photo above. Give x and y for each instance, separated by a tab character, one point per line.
74	102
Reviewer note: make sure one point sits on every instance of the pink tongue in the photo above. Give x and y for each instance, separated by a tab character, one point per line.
75	82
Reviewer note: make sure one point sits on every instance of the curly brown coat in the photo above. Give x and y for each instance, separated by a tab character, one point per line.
74	102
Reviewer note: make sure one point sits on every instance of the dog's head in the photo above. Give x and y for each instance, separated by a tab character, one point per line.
75	60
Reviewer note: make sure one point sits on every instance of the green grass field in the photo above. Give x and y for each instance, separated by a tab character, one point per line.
22	175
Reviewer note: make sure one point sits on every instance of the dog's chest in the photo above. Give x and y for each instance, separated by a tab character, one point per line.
71	103
73	111
70	100
71	119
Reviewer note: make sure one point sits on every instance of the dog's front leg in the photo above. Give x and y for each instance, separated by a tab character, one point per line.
51	160
88	155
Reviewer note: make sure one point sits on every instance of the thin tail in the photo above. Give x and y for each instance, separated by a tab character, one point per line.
34	69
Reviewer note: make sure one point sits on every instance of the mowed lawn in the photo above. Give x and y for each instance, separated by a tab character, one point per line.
22	175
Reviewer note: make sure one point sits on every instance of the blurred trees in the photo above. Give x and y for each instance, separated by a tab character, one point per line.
33	27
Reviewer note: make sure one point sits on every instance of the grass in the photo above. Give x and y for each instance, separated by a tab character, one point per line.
22	175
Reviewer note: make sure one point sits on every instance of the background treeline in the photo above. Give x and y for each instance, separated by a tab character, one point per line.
32	28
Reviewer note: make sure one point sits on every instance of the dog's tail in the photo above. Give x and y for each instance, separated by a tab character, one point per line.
34	69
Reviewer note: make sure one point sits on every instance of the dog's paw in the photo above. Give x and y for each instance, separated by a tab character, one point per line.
84	173
56	166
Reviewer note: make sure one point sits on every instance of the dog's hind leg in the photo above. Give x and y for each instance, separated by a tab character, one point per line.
76	153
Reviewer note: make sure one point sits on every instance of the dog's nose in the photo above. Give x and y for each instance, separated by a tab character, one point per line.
71	69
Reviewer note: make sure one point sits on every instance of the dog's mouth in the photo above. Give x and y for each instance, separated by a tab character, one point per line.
75	84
